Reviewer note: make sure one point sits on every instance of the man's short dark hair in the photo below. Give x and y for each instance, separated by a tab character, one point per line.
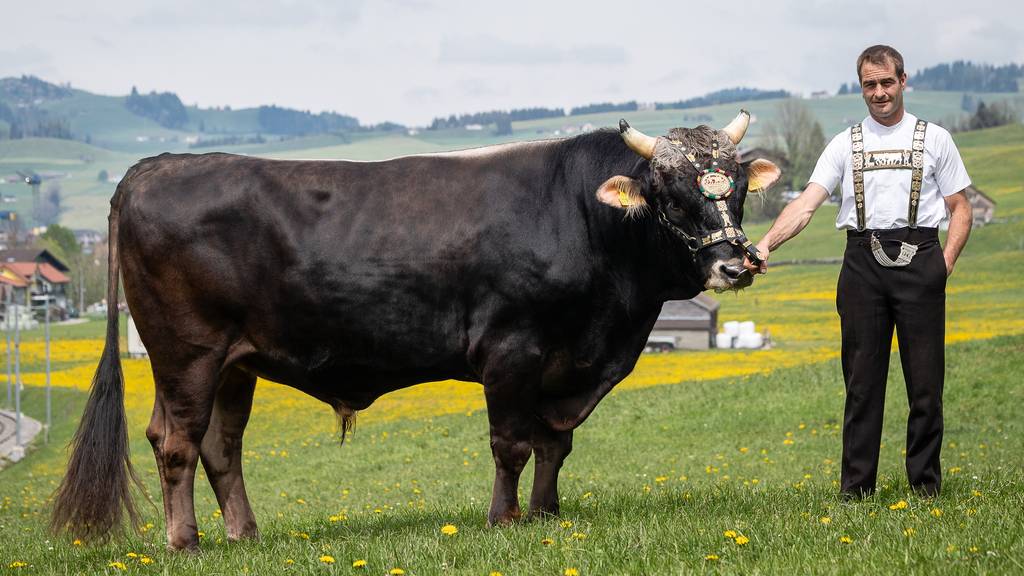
880	55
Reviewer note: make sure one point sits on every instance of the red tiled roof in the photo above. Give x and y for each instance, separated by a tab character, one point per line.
12	278
46	270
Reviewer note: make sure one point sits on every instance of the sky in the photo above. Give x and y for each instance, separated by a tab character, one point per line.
409	61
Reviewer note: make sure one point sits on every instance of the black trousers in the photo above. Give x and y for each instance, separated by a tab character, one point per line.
872	300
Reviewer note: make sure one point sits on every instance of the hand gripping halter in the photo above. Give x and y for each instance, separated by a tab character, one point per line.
716	185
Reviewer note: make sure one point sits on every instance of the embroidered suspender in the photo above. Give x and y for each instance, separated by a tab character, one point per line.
917	162
916	176
857	142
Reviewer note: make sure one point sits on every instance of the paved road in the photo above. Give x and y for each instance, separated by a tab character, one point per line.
29	429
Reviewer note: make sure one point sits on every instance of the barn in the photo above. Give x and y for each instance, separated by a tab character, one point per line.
685	325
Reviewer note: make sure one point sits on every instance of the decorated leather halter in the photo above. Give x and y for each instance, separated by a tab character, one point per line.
716	185
907	251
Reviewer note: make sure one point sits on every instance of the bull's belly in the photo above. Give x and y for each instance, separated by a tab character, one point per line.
355	382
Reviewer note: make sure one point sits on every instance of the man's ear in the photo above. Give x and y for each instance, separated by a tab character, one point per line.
621	192
761	174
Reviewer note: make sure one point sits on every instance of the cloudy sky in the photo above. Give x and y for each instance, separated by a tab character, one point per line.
411	60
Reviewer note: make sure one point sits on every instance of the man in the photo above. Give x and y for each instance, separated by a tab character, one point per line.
899	175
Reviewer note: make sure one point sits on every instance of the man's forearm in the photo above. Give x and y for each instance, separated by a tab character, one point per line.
960	220
794	217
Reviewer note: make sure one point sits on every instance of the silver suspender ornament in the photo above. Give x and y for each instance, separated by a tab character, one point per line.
917	165
907	252
857	143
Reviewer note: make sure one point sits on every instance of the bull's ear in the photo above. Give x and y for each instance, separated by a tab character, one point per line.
761	174
621	192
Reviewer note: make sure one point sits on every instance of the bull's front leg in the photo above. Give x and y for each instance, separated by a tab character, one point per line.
550	449
511	429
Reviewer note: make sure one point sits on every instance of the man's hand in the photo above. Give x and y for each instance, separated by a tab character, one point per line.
762	268
950	261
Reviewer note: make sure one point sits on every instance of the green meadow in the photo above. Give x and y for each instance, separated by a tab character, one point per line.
734	475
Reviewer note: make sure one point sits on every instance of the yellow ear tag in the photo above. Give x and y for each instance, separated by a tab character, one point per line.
624	198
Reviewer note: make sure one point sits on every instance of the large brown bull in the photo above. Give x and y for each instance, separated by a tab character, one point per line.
536	269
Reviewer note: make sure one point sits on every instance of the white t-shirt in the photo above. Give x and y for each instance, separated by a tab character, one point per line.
887	189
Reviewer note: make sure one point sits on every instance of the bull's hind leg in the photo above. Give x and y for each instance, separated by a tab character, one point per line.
510	445
549	449
181	414
221	451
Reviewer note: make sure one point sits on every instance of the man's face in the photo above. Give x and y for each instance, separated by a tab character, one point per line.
883	91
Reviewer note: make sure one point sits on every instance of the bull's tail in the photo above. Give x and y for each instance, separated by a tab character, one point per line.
95	493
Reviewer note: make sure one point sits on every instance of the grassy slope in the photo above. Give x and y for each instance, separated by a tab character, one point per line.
691	462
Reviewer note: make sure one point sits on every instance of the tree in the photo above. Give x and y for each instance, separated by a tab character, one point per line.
47	212
796	134
503	126
103	175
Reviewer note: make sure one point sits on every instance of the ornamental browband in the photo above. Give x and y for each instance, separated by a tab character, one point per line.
907	251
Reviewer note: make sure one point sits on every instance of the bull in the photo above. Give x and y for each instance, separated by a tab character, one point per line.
536	269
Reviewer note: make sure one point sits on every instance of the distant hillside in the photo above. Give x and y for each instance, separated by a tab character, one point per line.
963	76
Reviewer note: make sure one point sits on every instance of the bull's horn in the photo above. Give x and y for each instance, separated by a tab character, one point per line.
637	141
738	127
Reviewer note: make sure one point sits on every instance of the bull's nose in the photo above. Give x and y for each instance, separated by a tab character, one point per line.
731	271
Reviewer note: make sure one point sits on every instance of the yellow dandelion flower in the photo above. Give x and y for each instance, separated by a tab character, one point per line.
202	534
661	479
495	573
547	541
901	505
950	549
77	542
711	557
449	530
396	572
300	501
788	441
973	549
744	449
976	493
17	564
359	564
327	559
741	540
908	532
566	523
955	470
937	512
117	565
586	495
729	533
571	572
132	555
846	540
289	561
578	536
825	520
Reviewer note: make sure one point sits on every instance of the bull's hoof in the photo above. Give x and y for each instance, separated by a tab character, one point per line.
544	512
504	518
188	543
247	532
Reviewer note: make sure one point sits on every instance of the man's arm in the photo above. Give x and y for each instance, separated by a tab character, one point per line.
791	221
960	219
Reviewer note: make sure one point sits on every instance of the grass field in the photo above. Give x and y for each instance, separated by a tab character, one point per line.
709	462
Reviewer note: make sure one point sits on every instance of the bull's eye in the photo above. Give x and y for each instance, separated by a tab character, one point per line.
675	208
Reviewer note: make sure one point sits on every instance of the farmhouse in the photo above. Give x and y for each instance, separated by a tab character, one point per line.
686	324
33	274
982	207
